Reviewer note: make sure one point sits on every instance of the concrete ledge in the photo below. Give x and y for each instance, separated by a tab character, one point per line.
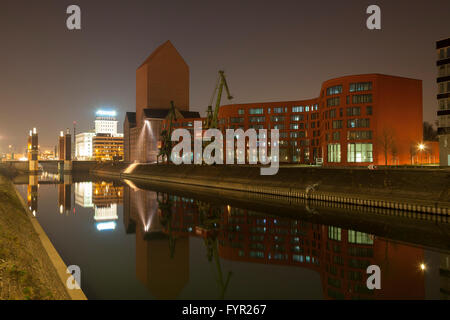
55	258
360	188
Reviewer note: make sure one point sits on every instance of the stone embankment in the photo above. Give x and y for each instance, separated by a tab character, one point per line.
417	190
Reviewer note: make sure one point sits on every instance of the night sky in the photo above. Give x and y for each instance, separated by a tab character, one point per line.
270	50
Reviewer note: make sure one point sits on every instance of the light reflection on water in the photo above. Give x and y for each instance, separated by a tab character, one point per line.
133	243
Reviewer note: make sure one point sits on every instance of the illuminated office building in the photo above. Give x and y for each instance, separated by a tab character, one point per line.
104	143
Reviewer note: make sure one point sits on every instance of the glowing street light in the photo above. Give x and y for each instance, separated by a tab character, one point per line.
421	147
423	267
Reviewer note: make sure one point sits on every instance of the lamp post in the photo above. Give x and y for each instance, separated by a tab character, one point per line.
421	148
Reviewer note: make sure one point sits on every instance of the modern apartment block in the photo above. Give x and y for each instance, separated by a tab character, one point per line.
356	120
443	96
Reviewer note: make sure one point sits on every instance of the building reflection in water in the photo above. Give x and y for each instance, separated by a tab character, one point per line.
32	194
340	256
162	245
163	224
104	198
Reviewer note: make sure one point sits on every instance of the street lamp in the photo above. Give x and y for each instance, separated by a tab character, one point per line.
420	147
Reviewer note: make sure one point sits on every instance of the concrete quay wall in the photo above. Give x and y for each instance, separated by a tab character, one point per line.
416	190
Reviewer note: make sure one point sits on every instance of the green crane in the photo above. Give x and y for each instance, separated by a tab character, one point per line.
211	118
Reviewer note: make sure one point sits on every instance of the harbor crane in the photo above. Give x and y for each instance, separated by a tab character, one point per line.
211	117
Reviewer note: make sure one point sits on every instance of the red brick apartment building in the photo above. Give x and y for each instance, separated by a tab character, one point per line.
356	120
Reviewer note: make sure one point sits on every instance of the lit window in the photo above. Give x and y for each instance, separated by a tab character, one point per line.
359	152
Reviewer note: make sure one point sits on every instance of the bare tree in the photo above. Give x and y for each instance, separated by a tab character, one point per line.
412	151
386	140
394	152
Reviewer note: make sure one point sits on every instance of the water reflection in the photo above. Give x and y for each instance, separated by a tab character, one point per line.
164	224
104	198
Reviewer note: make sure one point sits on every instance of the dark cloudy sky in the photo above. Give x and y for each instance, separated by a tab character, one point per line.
271	51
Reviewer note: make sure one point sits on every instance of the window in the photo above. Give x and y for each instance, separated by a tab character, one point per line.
256	111
241	111
358	123
353	111
361	98
359	152
360	86
277	118
359	135
278	126
337	124
237	120
299	134
294	126
334	90
359	237
336	135
297	117
257	119
297	109
334	152
333	102
334	233
332	113
278	110
369	110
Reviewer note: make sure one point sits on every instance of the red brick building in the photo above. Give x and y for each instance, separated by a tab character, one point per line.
356	120
163	77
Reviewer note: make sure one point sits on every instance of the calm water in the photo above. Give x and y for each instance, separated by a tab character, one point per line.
133	243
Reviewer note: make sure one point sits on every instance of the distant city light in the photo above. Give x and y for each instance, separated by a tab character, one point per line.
23	159
111	225
108	113
423	267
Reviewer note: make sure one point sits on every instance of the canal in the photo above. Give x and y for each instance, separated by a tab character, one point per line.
135	241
